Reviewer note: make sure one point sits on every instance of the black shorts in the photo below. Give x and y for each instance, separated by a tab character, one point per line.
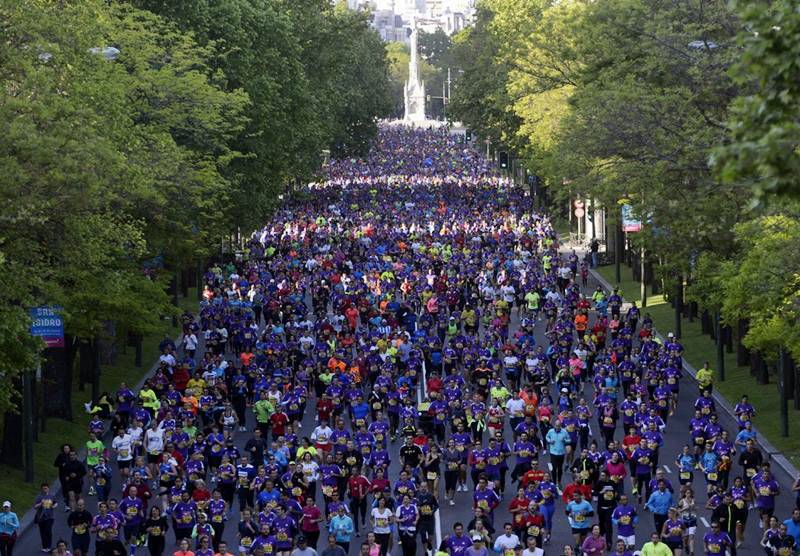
580	531
124	464
674	545
153	458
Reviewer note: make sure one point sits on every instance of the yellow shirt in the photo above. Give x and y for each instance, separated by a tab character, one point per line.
705	377
660	549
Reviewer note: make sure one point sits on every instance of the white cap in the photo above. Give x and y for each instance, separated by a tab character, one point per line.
670	335
7	504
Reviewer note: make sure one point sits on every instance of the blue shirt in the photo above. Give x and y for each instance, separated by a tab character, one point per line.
9	522
557	441
342	527
792	527
660	502
579	513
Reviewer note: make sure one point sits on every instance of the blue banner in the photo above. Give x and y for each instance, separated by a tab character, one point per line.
48	325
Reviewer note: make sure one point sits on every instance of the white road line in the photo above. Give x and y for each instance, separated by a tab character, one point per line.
667	469
705	522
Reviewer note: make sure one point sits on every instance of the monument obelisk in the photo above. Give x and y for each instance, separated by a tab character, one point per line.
414	91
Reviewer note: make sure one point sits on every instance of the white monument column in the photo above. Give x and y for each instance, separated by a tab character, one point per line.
414	91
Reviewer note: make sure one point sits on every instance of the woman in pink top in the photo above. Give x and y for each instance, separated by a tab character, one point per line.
616	470
594	544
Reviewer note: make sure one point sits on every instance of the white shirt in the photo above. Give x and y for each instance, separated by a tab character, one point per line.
190	342
322	434
515	407
168	358
122	445
154	441
535	552
385	515
506	542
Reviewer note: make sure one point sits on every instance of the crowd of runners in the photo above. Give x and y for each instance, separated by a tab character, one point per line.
407	340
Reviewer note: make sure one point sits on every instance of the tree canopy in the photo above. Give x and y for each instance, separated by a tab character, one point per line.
138	135
687	111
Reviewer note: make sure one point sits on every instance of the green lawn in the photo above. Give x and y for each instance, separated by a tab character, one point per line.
59	431
701	348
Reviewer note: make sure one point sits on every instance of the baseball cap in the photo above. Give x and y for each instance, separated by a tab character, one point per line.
7	504
300	539
476	538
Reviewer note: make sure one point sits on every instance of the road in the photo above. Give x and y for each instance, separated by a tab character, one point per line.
675	437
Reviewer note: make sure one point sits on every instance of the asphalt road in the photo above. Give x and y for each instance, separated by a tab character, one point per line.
676	436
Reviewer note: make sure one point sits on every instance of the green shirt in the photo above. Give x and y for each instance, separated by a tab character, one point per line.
532	299
660	549
93	452
263	409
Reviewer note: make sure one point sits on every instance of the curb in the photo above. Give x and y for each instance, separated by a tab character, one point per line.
26	522
773	455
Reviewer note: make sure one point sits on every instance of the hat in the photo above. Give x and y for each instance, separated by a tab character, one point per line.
670	335
564	390
7	504
476	537
300	538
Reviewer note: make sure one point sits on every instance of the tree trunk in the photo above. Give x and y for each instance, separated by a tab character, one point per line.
705	322
742	353
727	337
762	374
795	372
12	449
57	381
185	278
107	344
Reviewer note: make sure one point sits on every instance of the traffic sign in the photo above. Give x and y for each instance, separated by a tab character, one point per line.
578	204
579	212
48	325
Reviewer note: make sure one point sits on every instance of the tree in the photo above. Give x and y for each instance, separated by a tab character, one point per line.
765	123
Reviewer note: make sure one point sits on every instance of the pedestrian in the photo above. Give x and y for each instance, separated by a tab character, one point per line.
9	526
44	507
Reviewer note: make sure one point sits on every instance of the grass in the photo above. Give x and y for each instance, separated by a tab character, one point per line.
701	348
59	431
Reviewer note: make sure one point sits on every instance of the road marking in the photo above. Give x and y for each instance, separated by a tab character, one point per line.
667	469
550	466
705	522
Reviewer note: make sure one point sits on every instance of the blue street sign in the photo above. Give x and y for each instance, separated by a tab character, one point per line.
48	325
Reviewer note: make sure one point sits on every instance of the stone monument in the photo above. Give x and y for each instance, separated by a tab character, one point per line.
414	91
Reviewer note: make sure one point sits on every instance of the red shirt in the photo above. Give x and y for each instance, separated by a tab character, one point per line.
519	517
310	513
630	443
358	486
379	485
324	409
532	476
571	488
279	421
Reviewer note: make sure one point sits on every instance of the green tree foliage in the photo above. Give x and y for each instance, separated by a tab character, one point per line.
765	124
118	171
631	99
316	76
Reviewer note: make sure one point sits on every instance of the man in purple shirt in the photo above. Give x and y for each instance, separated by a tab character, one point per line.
133	510
458	542
765	489
716	542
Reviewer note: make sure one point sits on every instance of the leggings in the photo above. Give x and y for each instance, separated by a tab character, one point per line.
383	540
46	533
557	462
547	513
358	505
408	540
